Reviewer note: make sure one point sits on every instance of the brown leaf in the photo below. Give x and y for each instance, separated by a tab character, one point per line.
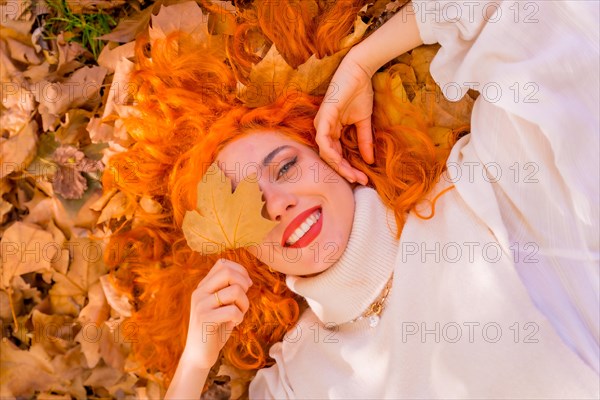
19	103
25	248
224	220
99	204
69	292
444	113
15	17
129	28
37	73
92	6
112	55
115	342
183	17
23	53
118	206
82	88
53	332
69	367
69	183
421	59
239	379
86	217
118	301
273	76
225	23
149	205
92	319
110	127
67	54
24	371
18	151
5	209
7	68
97	309
73	130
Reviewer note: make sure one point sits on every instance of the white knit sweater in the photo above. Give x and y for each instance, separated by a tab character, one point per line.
497	295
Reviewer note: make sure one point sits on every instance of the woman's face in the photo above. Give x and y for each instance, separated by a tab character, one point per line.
300	191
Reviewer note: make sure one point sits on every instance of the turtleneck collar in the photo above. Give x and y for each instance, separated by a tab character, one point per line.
347	288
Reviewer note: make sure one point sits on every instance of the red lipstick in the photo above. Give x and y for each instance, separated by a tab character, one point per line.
296	222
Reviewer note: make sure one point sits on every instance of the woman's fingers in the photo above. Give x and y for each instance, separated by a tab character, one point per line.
225	314
330	148
223	274
232	295
364	135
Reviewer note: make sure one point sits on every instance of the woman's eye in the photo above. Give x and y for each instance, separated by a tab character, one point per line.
285	169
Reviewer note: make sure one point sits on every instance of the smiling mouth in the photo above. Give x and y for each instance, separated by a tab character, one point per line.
307	227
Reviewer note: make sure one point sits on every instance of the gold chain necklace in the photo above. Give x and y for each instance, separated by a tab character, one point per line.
377	306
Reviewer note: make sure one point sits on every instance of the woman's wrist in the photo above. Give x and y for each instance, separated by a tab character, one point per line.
189	379
195	362
397	36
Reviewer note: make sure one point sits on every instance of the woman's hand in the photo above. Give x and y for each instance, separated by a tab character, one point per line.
349	100
218	305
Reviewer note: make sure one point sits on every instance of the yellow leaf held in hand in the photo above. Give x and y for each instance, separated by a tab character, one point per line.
225	220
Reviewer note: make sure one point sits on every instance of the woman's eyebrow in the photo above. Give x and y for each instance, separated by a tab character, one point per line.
272	154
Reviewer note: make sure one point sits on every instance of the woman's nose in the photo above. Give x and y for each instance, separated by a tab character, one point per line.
277	202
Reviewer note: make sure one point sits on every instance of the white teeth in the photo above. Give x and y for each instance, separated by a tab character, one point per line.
302	229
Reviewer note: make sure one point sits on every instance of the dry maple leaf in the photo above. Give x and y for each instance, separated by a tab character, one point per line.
226	220
184	17
273	75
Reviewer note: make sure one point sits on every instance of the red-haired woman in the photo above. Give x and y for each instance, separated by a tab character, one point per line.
495	294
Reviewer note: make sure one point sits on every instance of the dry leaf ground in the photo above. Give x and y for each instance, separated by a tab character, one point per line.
64	325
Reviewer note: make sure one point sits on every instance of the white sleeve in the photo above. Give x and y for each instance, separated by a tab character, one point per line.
535	131
538	60
272	383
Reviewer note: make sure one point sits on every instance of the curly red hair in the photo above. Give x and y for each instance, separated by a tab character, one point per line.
186	112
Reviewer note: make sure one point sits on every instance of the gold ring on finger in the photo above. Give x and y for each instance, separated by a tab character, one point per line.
218	300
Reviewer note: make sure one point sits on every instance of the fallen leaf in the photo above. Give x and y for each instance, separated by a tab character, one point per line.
421	59
118	206
70	290
149	205
223	220
70	368
67	54
18	151
25	248
111	56
223	23
22	52
273	76
53	332
97	309
99	204
185	17
128	28
117	300
92	6
115	342
86	217
5	209
239	379
73	130
22	372
441	112
55	98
